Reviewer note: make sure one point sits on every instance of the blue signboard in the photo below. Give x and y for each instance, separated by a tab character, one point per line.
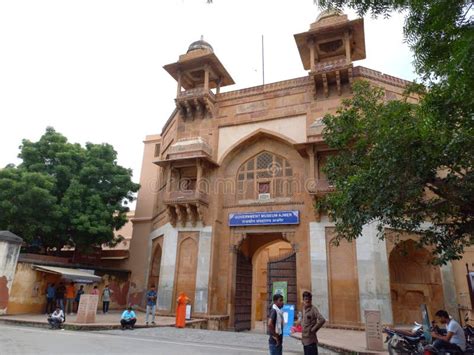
289	318
264	218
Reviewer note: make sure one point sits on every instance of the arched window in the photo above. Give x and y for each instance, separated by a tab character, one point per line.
264	176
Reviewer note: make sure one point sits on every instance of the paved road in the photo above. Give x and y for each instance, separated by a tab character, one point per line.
166	341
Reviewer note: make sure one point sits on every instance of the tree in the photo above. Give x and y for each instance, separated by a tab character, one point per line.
402	164
63	194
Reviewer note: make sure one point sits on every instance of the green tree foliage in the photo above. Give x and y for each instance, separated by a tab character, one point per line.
63	194
403	164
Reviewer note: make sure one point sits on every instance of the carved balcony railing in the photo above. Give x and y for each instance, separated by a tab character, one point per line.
186	206
196	103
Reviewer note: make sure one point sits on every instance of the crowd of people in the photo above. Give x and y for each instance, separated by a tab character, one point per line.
311	321
64	299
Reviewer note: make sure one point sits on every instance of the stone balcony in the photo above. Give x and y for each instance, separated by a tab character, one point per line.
186	206
186	149
334	72
186	196
196	103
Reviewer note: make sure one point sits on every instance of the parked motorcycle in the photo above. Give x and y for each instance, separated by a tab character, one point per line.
468	331
405	342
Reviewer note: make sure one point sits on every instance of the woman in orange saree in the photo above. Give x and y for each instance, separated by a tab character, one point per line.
181	310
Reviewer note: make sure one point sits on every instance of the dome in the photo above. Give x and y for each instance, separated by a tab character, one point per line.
201	44
328	13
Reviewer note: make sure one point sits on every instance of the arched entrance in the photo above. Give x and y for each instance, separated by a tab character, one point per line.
262	259
154	277
187	265
413	281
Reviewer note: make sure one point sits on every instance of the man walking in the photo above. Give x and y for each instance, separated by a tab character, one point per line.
106	293
50	299
275	326
151	304
311	322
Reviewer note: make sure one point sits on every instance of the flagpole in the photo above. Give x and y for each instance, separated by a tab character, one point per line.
263	64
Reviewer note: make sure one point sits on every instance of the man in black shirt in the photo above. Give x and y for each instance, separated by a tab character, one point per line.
60	291
275	326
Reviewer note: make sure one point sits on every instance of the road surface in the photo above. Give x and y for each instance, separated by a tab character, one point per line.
166	341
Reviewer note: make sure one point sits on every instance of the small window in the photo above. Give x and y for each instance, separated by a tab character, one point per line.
264	187
157	149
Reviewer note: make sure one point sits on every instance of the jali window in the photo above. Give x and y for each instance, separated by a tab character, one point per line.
266	173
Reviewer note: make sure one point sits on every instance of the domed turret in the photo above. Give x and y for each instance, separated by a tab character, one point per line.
201	44
328	13
197	72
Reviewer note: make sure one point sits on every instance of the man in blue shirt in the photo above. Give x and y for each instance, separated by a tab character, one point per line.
50	296
128	318
151	304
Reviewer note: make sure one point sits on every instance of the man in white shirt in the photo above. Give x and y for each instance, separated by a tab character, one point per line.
56	318
455	340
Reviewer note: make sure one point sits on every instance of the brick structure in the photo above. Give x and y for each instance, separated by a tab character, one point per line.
259	150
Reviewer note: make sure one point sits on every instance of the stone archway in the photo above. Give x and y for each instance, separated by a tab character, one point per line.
254	250
413	281
155	266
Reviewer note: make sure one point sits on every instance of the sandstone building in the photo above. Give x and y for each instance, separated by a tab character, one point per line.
228	189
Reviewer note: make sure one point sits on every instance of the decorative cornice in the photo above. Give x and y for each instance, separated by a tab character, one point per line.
258	204
379	76
264	89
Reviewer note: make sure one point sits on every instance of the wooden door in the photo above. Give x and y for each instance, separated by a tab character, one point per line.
283	268
243	293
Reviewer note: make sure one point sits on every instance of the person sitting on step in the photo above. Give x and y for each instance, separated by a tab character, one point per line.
56	319
128	318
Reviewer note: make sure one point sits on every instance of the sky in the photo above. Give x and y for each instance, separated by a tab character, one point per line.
92	69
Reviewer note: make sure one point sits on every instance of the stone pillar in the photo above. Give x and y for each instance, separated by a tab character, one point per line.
9	250
168	265
347	43
319	268
198	174
203	268
310	152
178	90
312	55
168	178
166	283
206	78
449	290
374	275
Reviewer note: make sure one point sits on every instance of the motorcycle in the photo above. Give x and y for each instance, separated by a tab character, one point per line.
405	342
468	331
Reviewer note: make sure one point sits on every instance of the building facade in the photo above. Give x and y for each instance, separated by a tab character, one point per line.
226	206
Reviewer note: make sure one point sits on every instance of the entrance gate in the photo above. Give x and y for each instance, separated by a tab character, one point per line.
243	293
283	269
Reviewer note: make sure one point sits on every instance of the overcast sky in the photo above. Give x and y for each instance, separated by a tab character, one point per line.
92	69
